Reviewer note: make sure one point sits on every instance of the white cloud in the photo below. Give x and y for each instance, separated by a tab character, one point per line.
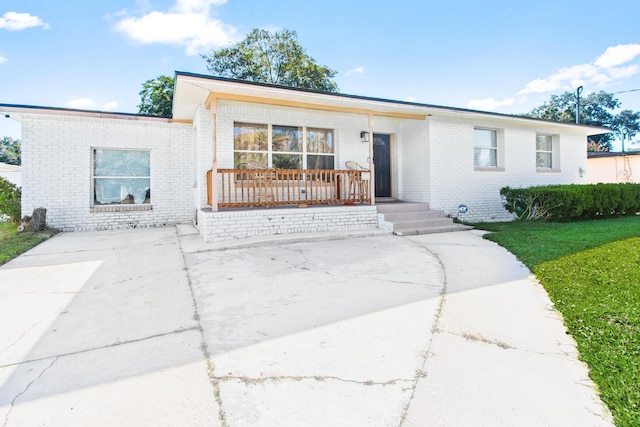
198	6
189	23
80	103
110	106
606	68
489	104
410	99
357	70
15	21
3	59
618	55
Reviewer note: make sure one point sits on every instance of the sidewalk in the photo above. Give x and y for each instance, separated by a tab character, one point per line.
155	327
500	355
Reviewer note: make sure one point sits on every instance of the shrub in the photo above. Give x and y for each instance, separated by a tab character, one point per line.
10	195
569	202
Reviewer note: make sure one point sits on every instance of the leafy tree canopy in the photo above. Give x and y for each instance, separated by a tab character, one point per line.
626	125
275	58
156	97
596	109
10	151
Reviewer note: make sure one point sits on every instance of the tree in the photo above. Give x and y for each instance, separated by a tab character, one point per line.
10	151
156	97
626	125
275	58
596	109
10	196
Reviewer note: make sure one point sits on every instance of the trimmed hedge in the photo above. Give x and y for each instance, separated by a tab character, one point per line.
572	202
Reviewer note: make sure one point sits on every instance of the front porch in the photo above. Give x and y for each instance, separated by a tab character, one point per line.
255	201
263	187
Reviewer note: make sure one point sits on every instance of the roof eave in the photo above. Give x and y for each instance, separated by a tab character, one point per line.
201	85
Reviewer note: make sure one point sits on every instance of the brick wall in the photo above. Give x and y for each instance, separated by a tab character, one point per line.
454	180
57	170
412	166
227	225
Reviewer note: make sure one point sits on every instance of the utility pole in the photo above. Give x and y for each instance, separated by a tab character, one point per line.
578	92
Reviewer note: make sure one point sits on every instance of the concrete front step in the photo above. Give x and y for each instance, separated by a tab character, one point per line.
389	208
422	223
412	216
431	230
407	219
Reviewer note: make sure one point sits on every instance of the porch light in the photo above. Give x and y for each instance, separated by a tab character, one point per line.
364	136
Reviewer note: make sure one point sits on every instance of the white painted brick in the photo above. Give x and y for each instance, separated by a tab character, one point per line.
57	173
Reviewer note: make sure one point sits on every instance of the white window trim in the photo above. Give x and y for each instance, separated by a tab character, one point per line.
499	150
555	155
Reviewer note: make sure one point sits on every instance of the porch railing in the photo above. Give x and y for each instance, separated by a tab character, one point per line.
272	187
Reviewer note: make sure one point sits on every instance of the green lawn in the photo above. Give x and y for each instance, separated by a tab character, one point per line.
13	243
591	271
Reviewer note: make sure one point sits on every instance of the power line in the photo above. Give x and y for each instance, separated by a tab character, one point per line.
625	91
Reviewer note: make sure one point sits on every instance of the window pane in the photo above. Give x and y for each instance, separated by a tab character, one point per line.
320	162
249	160
485	157
544	143
319	141
485	138
251	137
122	191
121	163
287	161
286	138
543	160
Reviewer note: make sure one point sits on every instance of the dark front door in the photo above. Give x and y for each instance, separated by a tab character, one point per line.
382	162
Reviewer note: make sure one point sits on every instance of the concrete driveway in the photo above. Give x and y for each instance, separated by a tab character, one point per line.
155	327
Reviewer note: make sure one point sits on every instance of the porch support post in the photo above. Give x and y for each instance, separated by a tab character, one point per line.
213	183
372	173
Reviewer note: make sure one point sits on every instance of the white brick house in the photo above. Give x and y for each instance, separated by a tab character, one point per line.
95	170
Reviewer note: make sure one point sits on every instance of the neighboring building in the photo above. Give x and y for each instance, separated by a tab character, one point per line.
229	142
11	173
612	167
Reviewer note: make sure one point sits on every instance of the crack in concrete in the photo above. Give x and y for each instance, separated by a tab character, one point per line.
24	333
319	378
422	372
479	338
13	401
137	278
115	344
215	383
396	282
505	346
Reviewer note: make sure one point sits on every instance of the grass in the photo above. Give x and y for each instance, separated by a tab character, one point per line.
14	243
591	271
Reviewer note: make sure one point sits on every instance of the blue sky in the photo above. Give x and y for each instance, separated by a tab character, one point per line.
503	56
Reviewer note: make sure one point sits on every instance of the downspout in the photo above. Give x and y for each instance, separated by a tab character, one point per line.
372	175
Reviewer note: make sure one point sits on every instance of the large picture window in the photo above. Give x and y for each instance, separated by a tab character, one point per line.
485	148
282	147
121	177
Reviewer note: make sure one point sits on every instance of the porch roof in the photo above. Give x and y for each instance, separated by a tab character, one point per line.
192	90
